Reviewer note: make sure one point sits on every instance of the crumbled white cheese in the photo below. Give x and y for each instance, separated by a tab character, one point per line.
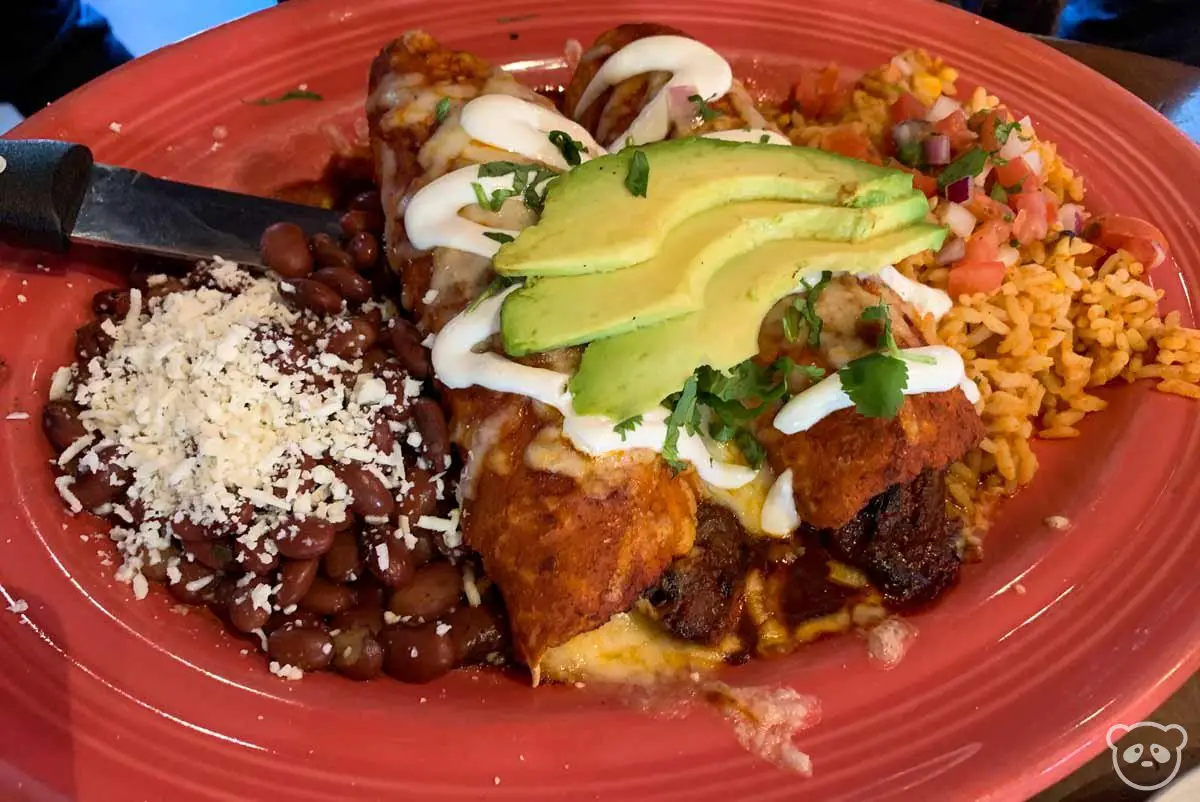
141	586
429	297
199	584
381	556
17	416
285	671
63	485
1058	522
447	526
412	387
115	127
21	298
18	606
889	640
470	588
75	449
390	618
442	629
205	421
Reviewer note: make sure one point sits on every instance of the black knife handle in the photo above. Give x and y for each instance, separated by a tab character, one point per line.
42	185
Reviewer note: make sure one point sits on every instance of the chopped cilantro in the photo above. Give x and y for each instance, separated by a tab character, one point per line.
526	178
792	321
911	153
683	413
887	340
1015	189
628	425
998	194
875	383
570	148
968	165
498	236
637	181
764	139
1003	130
751	449
498	285
707	113
443	108
809	310
292	94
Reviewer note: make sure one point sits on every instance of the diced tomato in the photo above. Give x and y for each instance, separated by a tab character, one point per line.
955	127
1031	223
987	129
967	277
921	182
986	208
1017	173
1051	206
907	107
984	243
820	93
1143	241
846	141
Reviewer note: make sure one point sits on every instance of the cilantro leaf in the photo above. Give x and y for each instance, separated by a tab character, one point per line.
911	154
498	236
998	194
792	321
291	94
887	339
637	181
442	109
764	140
809	310
570	148
707	113
498	285
875	383
968	165
1004	129
751	449
628	425
684	413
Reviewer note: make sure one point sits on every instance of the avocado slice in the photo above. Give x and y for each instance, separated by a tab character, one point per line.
591	222
569	310
629	374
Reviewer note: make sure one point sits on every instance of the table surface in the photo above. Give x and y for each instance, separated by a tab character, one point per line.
1174	90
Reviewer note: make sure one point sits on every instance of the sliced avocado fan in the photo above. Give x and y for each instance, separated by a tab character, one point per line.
626	375
592	223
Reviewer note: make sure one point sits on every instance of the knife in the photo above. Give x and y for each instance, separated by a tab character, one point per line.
53	194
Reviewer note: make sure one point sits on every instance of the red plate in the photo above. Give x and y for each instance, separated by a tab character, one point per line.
104	698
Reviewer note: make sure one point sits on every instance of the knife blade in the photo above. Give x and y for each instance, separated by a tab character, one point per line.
53	194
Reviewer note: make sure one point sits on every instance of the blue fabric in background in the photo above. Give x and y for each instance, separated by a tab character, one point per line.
1164	28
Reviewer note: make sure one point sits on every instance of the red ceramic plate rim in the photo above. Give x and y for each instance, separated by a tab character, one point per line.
1003	692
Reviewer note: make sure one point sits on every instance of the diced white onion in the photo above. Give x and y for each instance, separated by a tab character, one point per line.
942	108
1014	146
1070	217
1009	255
1034	160
959	219
902	64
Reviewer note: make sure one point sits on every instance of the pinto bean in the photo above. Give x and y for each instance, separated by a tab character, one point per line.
345	282
434	589
284	249
476	632
112	303
371	498
421	498
344	561
405	341
312	295
326	598
245	612
194	584
302	539
216	554
61	424
295	579
388	559
352	338
435	434
305	648
363	249
261	557
368	617
328	253
91	341
416	654
357	654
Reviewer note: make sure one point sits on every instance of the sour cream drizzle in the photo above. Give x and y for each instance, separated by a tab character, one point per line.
432	218
779	515
458	365
519	126
690	64
827	396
